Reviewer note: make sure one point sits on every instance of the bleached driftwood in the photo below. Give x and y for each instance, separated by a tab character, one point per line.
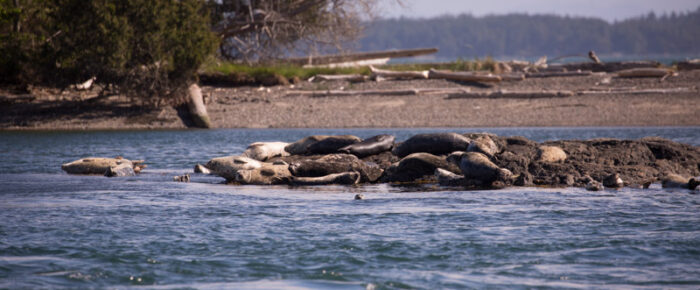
559	74
511	95
633	91
197	109
602	67
645	73
84	86
339	58
388	74
404	92
349	78
512	76
463	76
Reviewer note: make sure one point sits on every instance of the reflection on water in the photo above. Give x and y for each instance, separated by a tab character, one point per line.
67	231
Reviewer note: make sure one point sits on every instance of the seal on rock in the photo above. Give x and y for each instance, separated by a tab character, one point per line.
263	151
478	166
227	167
677	181
370	146
301	146
199	168
332	144
613	181
335	163
266	174
483	144
345	178
416	166
102	166
550	154
434	143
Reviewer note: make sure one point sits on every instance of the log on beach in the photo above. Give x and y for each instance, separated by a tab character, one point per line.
463	76
602	67
689	65
511	95
577	73
405	92
350	78
388	74
645	73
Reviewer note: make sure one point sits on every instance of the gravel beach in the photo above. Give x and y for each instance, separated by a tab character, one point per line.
280	107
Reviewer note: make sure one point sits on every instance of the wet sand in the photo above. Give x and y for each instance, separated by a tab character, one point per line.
277	107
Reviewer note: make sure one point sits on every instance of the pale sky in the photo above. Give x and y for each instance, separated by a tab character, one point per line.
609	10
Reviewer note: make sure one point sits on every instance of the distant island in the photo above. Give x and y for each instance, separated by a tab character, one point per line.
522	35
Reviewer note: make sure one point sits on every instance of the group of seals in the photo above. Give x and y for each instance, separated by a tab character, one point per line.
471	160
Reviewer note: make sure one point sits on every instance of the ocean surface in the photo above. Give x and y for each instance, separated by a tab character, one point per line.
62	231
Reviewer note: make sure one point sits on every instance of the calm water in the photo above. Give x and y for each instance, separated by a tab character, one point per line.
67	231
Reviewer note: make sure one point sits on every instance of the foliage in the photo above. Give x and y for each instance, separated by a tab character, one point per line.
150	49
523	35
263	30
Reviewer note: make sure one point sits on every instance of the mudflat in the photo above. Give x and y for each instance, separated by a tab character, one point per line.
597	100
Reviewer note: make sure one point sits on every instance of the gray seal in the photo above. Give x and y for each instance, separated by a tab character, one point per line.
434	143
370	146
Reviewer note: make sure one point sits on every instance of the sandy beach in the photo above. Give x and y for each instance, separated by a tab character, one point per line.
281	107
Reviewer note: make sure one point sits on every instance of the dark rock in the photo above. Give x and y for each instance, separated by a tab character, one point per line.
567	179
613	181
524	179
121	170
359	196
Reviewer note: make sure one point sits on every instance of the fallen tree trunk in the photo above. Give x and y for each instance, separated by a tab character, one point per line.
197	110
406	92
602	67
577	73
338	58
463	76
387	74
512	76
638	92
350	78
511	95
645	73
689	65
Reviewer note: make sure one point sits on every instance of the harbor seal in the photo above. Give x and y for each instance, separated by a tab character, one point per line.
478	166
416	166
332	144
483	144
550	154
263	151
301	146
435	143
101	166
266	174
370	146
344	178
335	163
227	167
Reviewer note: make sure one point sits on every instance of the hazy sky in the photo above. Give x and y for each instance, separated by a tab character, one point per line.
607	9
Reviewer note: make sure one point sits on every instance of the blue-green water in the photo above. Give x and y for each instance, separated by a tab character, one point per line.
67	231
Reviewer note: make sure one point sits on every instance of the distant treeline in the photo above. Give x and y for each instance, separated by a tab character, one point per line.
535	35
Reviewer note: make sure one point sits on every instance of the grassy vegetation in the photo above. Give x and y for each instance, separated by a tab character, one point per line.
246	74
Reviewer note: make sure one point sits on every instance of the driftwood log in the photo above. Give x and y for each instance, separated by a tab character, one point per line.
633	91
388	74
404	92
339	58
602	67
463	76
512	76
511	95
689	65
645	73
195	104
577	73
350	78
